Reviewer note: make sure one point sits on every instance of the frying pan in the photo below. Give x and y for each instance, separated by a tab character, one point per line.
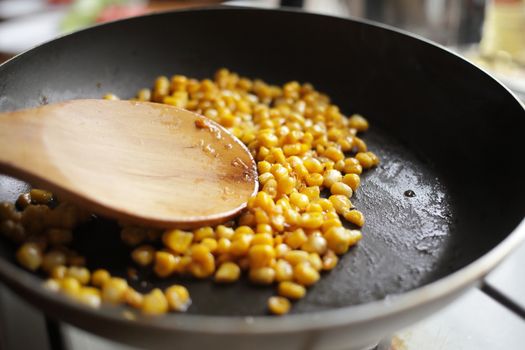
442	128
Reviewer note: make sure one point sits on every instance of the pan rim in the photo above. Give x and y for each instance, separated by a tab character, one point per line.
28	284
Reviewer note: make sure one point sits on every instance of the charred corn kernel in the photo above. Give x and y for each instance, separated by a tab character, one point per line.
155	303
223	246
264	228
178	298
52	285
315	261
177	240
352	180
58	272
354	236
296	238
211	243
334	154
99	277
341	203
133	298
357	122
40	196
203	232
261	255
114	289
111	97
70	286
132	236
312	220
143	255
331	177
262	275
352	166
281	249
341	188
241	245
313	165
224	232
227	272
305	274
365	160
57	236
262	238
81	274
283	271
300	200
314	179
53	258
165	264
30	256
314	244
291	290
279	305
330	260
89	296
294	257
355	217
23	201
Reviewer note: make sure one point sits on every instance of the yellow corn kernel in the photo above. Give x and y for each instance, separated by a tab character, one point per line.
227	272
286	185
264	178
52	284
81	274
354	236
279	305
314	179
355	217
331	177
267	139
352	180
341	188
203	232
330	260
264	228
177	240
300	200
305	274
313	165
183	264
133	298
40	196
241	245
99	277
53	258
341	203
58	272
155	303
30	256
313	192
314	207
111	97
311	220
210	243
281	249
143	255
114	289
339	165
314	244
262	275
203	262
315	261
261	255
327	224
178	298
262	238
296	238
294	257
357	122
279	156
70	286
223	246
352	166
161	88
144	95
224	232
89	296
337	240
291	290
333	154
132	236
283	271
165	264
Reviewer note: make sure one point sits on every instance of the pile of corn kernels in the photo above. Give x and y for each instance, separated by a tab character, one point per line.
288	235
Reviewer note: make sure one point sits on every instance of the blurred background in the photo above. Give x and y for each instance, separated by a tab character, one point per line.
491	33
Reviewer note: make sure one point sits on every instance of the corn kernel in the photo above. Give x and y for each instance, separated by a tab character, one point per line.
165	264
341	188
305	274
155	303
291	290
355	217
352	180
114	289
177	240
261	255
30	256
227	272
143	255
279	305
283	271
178	298
262	275
99	277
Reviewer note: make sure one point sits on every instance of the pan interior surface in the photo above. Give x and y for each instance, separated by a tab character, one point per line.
442	129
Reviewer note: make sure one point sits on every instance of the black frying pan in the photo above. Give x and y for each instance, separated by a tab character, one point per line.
443	129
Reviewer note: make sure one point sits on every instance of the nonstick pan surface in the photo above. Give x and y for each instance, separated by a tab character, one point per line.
442	128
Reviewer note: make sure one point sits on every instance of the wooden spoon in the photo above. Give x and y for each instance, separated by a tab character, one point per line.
144	163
